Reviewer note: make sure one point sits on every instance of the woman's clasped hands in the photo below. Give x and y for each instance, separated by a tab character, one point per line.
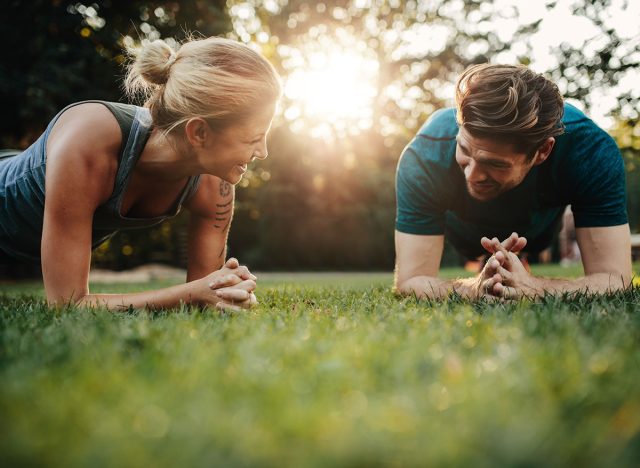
229	289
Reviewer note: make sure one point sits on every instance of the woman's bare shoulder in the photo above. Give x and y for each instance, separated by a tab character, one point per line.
85	140
90	126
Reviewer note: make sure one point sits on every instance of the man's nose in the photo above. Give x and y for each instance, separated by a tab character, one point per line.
473	173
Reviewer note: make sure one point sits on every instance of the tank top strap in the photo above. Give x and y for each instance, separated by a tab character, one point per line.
139	132
190	189
124	114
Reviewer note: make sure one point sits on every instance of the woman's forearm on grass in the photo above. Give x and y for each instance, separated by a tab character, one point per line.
188	293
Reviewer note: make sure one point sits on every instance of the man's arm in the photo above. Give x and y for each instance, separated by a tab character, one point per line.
606	258
417	265
606	255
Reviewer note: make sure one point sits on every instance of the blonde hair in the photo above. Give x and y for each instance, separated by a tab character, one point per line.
509	103
217	79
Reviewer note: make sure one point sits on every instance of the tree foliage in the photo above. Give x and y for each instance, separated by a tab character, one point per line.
57	52
325	197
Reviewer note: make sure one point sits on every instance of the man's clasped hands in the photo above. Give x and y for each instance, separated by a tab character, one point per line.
504	275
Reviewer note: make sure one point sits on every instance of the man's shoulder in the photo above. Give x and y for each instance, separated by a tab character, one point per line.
576	122
441	125
573	115
436	140
583	138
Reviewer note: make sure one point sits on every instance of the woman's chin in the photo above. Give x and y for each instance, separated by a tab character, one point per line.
233	178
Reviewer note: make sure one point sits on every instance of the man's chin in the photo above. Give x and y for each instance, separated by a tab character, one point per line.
483	195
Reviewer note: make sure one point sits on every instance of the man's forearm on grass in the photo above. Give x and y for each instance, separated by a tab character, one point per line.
436	288
594	283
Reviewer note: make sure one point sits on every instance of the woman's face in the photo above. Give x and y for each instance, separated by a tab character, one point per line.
227	153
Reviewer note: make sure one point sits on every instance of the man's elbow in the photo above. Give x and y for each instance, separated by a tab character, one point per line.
612	280
401	285
414	286
621	279
402	288
625	280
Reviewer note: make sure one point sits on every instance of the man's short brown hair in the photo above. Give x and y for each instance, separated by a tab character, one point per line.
509	103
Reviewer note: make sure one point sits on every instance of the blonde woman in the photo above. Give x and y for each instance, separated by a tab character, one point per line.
101	167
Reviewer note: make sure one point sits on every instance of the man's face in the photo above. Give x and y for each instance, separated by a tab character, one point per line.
490	167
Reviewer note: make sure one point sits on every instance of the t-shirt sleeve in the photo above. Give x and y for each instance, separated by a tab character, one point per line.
422	178
598	192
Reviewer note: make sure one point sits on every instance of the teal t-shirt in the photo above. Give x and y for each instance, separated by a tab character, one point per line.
584	170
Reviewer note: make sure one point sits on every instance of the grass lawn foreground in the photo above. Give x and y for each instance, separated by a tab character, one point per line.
326	371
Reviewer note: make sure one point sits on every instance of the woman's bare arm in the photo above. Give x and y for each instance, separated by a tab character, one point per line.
81	164
210	215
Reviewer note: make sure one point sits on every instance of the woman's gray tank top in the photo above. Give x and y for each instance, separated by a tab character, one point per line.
22	187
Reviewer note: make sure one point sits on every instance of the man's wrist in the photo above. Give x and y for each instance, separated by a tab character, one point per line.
543	286
466	287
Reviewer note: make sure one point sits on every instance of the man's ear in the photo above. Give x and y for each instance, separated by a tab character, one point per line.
544	151
197	132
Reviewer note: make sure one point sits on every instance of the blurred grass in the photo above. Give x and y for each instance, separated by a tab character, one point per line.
326	371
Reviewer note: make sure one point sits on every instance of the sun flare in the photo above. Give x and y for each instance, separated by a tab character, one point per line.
332	89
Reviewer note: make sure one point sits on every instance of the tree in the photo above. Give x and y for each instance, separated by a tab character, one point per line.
325	197
58	52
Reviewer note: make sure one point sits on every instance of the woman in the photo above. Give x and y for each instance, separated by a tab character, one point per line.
100	167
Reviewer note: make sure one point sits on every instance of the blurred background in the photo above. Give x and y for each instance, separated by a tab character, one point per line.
360	78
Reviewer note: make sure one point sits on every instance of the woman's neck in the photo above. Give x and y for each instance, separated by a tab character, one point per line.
164	158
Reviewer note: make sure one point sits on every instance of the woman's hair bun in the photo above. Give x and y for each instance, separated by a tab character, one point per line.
152	64
217	79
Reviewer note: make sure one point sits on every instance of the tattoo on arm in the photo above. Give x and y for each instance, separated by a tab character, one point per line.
220	218
225	188
227	225
224	210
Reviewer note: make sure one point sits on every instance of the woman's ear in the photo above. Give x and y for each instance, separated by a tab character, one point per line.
544	151
197	132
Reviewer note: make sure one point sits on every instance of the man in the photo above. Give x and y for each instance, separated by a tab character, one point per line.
510	157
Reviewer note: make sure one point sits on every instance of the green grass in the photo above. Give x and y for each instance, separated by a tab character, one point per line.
326	371
340	280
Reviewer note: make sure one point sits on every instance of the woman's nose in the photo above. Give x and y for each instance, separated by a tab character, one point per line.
261	152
